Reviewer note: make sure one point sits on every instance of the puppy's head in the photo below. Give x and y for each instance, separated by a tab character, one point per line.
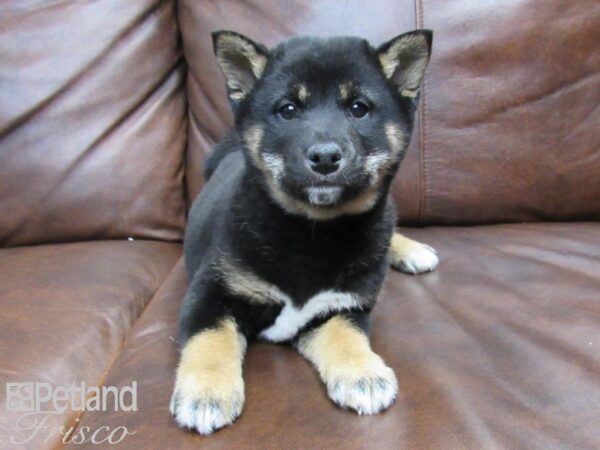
326	121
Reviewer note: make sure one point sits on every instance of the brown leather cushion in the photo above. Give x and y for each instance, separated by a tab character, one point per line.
66	309
496	349
92	121
509	110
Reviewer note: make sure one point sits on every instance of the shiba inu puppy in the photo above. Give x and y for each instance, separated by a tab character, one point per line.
292	236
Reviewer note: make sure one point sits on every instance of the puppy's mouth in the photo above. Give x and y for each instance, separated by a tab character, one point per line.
324	195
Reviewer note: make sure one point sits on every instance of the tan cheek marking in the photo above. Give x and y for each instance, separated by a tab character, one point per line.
253	139
395	137
375	165
272	169
275	164
211	363
340	350
249	286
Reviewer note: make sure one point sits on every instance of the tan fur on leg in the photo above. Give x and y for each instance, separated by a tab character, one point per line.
209	390
410	256
355	376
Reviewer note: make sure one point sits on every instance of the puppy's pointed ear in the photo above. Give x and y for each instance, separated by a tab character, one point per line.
241	60
404	60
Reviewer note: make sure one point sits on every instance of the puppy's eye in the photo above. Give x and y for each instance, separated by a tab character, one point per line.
359	109
288	111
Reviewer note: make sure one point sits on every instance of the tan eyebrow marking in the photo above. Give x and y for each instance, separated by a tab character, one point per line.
347	89
302	92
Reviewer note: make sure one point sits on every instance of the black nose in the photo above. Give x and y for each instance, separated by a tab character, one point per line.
324	158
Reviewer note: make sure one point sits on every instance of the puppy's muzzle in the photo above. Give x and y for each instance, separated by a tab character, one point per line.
325	158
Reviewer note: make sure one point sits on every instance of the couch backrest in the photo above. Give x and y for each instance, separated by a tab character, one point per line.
509	119
92	121
93	113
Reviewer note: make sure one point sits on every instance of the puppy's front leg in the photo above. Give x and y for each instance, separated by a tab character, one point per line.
355	376
410	256
209	389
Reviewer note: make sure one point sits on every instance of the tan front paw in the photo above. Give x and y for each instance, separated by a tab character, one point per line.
202	409
412	257
366	391
209	390
355	376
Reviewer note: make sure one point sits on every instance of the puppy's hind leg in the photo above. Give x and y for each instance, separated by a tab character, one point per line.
410	256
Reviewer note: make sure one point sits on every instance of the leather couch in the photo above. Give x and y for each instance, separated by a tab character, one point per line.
107	110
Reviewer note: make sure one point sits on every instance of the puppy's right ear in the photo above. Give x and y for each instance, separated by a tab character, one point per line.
404	60
241	60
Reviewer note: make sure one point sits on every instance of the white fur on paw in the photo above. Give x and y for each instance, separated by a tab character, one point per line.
204	413
369	394
419	258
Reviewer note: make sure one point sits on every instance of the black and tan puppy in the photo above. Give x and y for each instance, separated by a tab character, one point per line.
291	238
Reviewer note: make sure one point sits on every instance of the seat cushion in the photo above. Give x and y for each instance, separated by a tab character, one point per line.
496	349
66	309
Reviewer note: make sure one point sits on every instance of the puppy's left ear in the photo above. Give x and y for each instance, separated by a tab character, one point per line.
404	60
241	60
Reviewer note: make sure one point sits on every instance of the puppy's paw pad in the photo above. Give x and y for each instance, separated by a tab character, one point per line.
365	395
419	258
205	413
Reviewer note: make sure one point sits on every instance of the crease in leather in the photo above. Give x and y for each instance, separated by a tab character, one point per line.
454	394
517	253
532	100
153	89
205	142
78	418
19	120
201	89
483	428
584	117
85	153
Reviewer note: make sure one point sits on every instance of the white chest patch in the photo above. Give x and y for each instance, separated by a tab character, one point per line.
291	319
